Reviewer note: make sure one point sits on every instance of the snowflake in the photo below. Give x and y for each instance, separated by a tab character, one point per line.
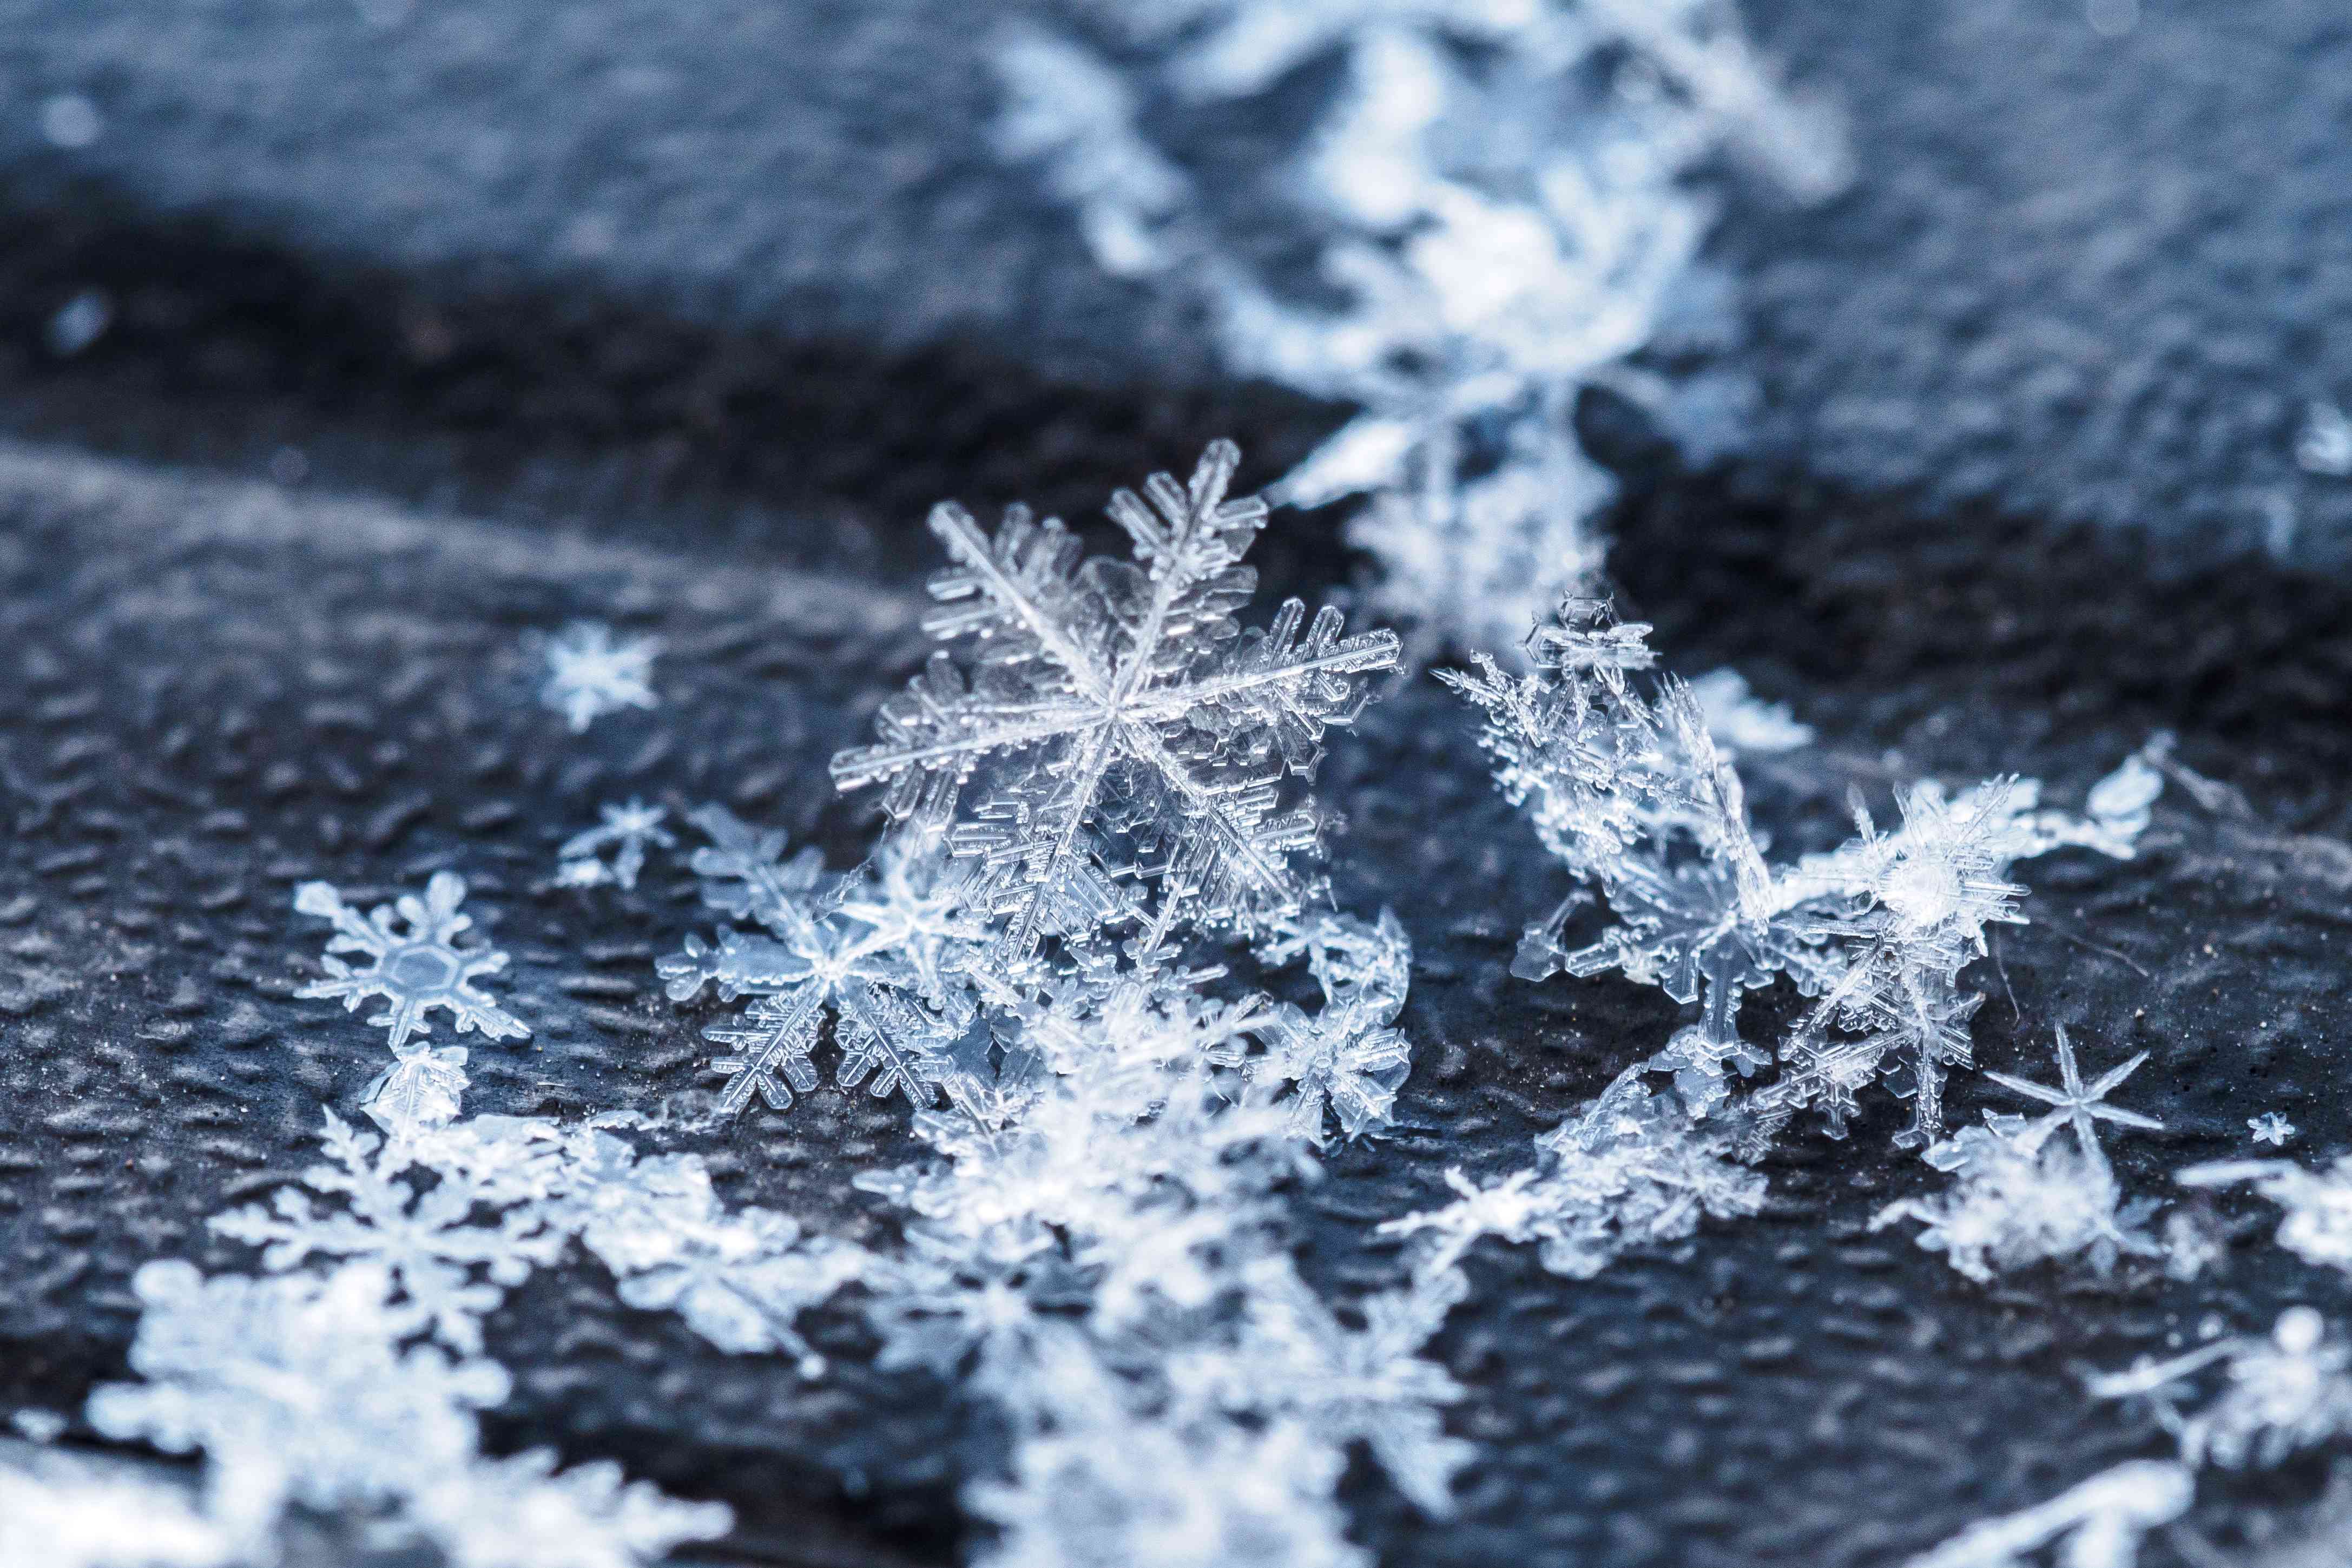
1368	1386
2101	1522
428	1242
1632	1169
2075	1105
415	971
2286	1392
2271	1127
817	958
630	826
2318	1224
589	675
1346	1057
1128	728
296	1389
2021	1199
521	1512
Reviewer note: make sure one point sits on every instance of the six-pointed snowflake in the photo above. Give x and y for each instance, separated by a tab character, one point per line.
589	675
627	827
1114	721
415	970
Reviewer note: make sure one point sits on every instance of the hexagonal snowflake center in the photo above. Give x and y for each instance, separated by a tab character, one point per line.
418	970
1922	890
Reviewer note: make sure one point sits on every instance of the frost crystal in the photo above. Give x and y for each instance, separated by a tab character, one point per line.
630	828
1347	1058
1634	1168
413	970
2318	1203
1500	204
2271	1127
832	948
421	1089
428	1243
589	675
2021	1198
2102	1522
2286	1392
1627	785
1115	723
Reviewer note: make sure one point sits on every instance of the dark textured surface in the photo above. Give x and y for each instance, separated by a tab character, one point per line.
221	689
696	249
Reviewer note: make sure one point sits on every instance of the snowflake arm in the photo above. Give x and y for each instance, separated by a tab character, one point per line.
771	1049
415	971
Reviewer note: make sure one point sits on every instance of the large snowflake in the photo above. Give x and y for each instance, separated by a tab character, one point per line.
1128	728
832	946
414	970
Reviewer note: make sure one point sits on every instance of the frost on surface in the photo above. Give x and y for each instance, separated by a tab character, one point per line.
1627	785
414	964
2020	1195
2101	1523
1632	1169
871	950
1112	725
626	830
2280	1393
2318	1203
588	673
1500	207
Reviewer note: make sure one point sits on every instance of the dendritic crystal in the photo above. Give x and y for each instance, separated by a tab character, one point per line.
627	830
414	970
1113	725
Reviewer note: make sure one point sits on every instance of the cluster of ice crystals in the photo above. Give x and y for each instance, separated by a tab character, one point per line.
588	673
2318	1203
1112	725
627	830
1632	1169
2022	1197
1500	205
1627	785
871	950
414	964
2281	1393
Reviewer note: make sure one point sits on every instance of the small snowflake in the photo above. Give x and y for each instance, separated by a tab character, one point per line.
2271	1127
2318	1203
590	674
817	958
2286	1392
631	827
415	971
2076	1105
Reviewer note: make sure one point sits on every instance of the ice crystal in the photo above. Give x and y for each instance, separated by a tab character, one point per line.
1742	722
1632	1169
428	1242
589	675
1500	202
2284	1393
864	949
2318	1203
421	1089
1347	1058
2100	1522
2271	1127
628	829
1114	725
413	970
1627	785
2020	1199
